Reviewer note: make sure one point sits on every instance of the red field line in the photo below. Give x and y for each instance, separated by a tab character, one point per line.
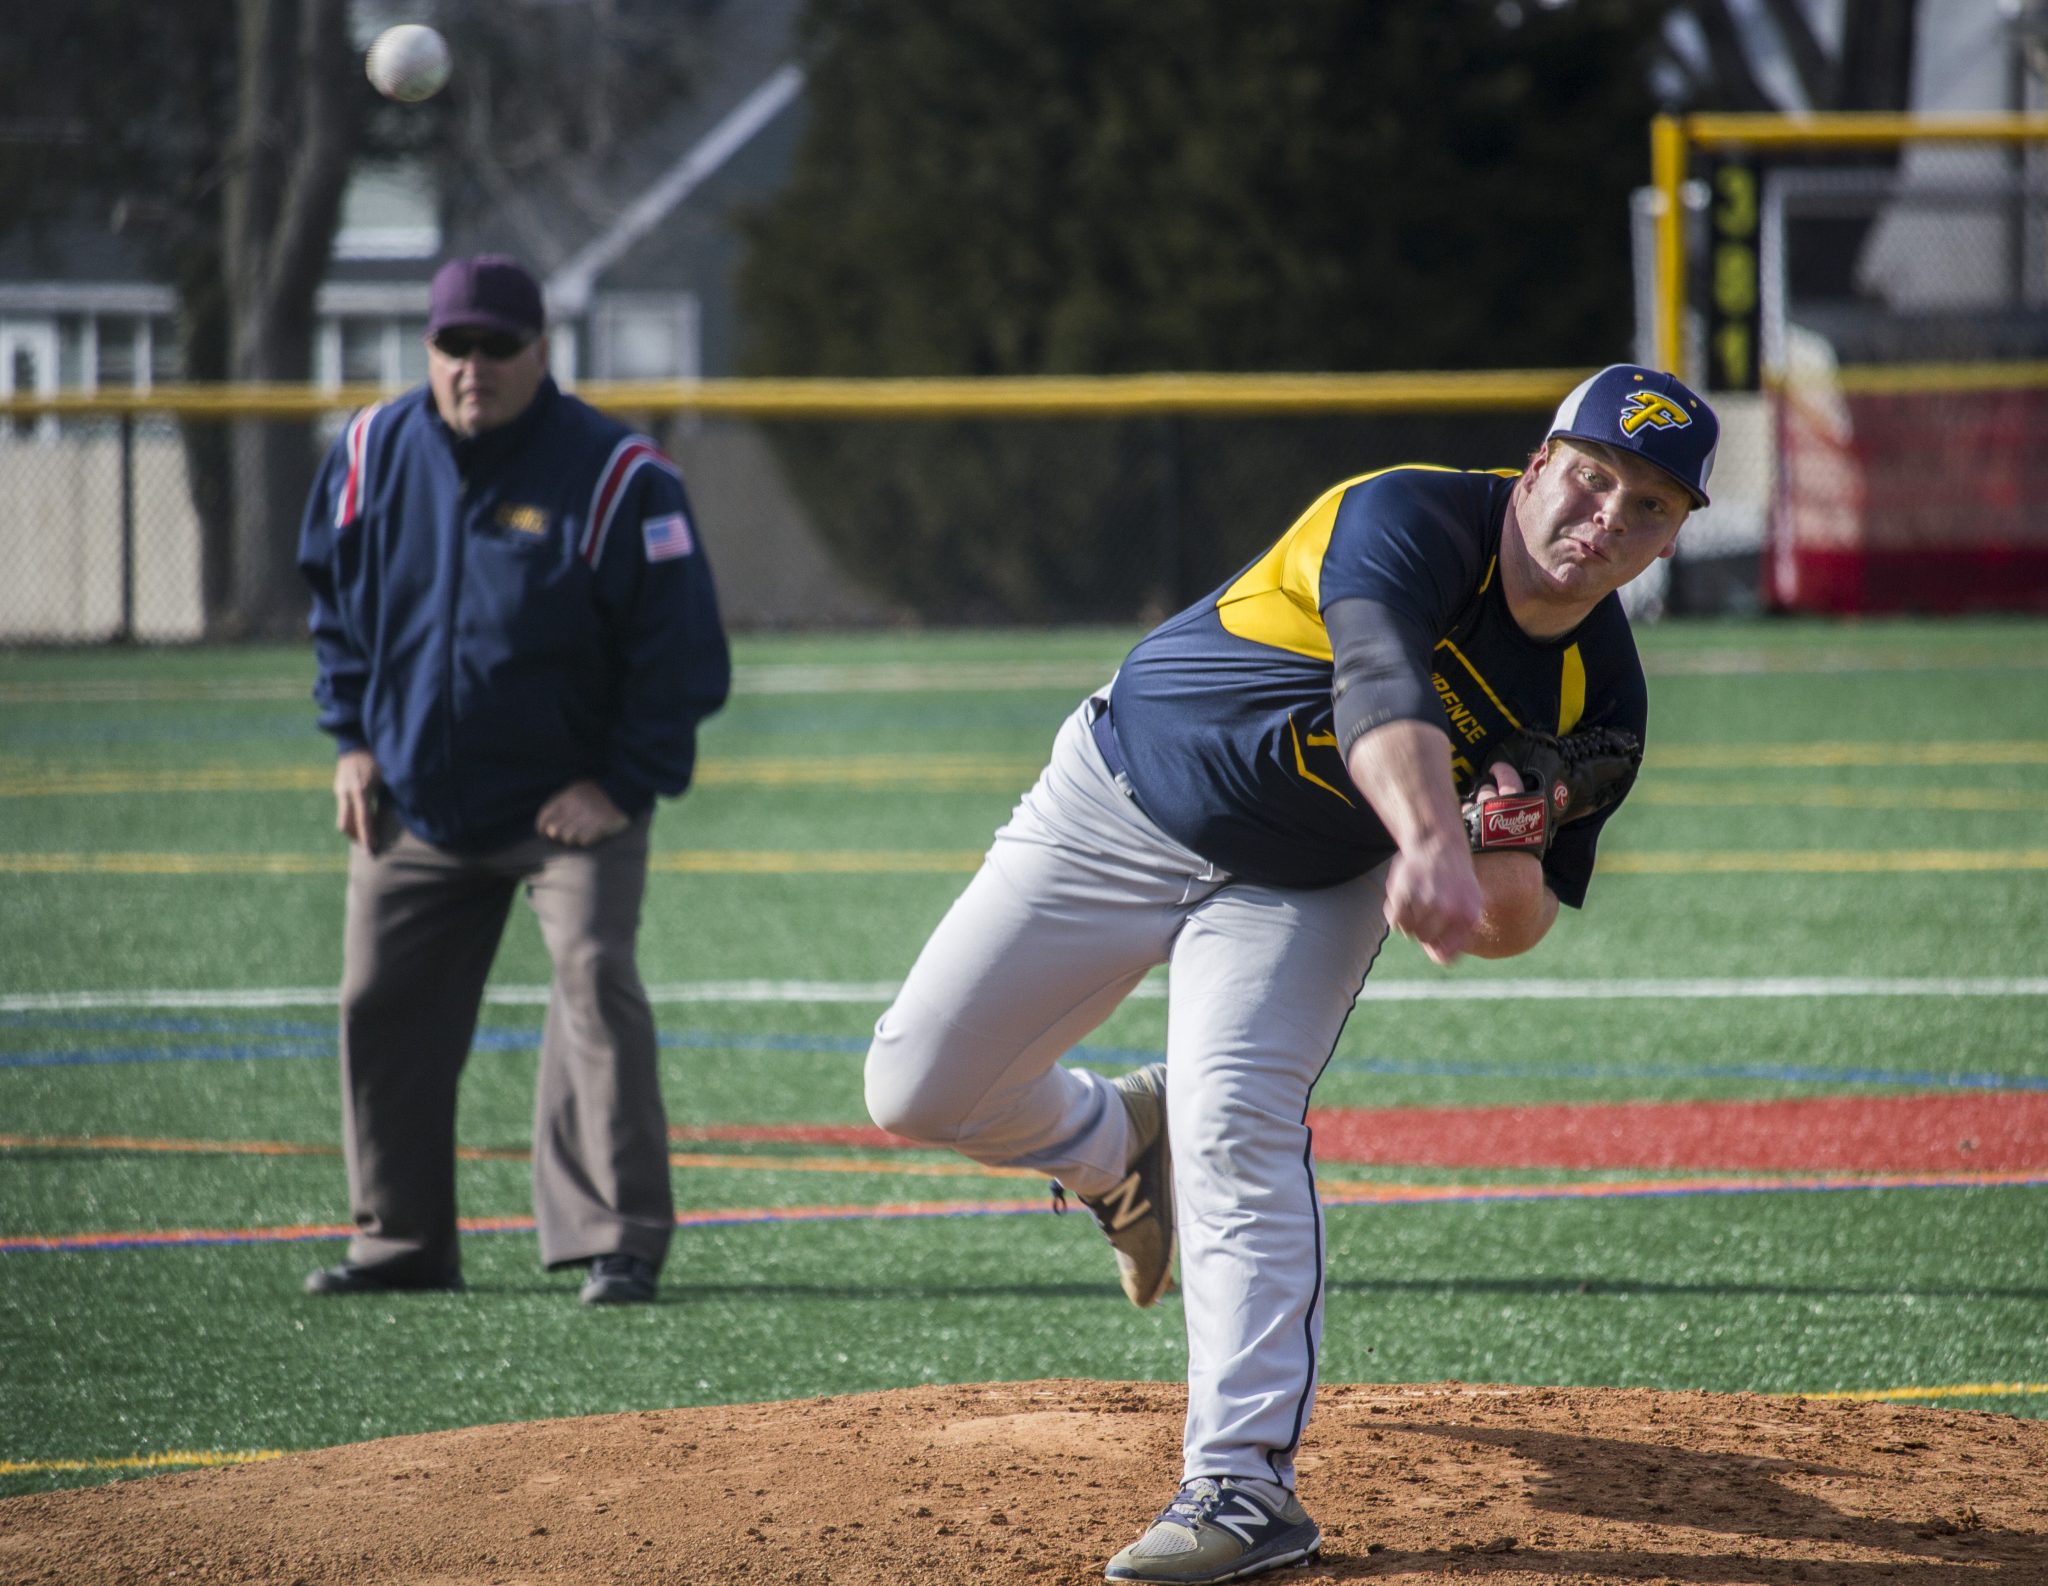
1994	1132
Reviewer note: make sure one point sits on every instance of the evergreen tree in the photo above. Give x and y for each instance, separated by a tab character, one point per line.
1116	185
1106	186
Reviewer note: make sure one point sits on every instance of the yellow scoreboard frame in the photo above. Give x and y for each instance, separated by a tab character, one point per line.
1677	141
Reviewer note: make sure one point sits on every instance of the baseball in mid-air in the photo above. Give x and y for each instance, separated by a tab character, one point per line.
408	63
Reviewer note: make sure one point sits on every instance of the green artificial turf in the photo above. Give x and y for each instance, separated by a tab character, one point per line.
133	783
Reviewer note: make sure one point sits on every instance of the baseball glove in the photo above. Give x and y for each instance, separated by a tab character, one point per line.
1564	778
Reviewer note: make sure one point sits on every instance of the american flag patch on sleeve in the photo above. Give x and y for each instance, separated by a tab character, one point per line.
667	537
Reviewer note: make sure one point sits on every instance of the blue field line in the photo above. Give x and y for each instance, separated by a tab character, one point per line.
96	1056
299	1040
168	1024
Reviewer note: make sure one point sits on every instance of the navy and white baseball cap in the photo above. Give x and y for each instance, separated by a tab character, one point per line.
1654	415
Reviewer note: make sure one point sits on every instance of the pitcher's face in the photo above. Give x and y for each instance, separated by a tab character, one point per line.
1592	518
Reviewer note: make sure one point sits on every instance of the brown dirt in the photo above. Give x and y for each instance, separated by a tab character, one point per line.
1039	1482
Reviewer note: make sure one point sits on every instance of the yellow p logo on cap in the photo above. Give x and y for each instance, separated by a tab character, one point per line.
1659	413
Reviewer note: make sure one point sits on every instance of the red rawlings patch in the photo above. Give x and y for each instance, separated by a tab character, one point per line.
1513	821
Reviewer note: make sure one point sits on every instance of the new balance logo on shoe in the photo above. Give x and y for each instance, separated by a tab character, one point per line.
1123	1205
1214	1531
1137	1215
1245	1521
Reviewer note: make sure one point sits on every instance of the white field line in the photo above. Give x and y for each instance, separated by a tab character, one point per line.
879	992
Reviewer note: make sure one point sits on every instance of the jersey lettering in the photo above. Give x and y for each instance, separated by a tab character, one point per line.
1469	726
1316	740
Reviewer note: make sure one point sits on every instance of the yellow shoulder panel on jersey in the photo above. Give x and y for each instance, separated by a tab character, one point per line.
1571	690
1278	601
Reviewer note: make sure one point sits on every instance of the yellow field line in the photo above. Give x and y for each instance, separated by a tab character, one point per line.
1825	861
194	779
729	862
892	1164
1776	756
171	1459
857	773
1960	1390
988	772
961	861
939	771
807	862
1694	796
145	864
126	1142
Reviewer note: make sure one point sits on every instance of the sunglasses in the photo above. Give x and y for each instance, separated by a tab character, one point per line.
497	345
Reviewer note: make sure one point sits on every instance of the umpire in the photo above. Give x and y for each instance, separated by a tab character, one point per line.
517	636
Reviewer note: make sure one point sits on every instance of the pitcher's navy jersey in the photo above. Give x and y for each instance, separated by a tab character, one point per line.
1224	714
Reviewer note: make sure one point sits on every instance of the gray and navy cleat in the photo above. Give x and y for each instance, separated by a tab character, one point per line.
1217	1531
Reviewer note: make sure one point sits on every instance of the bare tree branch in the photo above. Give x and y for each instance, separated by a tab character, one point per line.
1817	74
1733	81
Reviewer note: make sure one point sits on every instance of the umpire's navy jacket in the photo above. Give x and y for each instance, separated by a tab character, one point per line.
496	617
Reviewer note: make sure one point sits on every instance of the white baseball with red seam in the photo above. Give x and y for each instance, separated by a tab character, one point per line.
409	62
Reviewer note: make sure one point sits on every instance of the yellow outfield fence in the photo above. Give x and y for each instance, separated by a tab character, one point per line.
823	502
1680	143
1021	396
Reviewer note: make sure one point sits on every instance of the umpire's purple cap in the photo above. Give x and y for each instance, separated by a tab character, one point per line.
1654	415
489	291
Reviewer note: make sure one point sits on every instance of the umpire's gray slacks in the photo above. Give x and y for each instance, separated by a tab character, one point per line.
423	926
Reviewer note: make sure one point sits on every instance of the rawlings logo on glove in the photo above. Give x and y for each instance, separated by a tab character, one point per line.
1564	779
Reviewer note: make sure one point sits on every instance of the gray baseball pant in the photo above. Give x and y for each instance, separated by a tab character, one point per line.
1078	898
422	928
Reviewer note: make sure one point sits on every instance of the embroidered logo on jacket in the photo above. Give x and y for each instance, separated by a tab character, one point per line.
522	520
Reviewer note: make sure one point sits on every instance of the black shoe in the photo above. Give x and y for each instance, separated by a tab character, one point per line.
348	1278
620	1279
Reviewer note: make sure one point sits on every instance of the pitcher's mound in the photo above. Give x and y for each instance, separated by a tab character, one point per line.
1042	1481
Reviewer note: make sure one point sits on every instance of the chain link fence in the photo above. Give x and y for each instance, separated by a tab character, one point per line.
100	532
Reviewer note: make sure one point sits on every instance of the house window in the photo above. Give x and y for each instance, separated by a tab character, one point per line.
389	210
116	364
647	336
412	352
166	351
384	350
363	351
28	367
